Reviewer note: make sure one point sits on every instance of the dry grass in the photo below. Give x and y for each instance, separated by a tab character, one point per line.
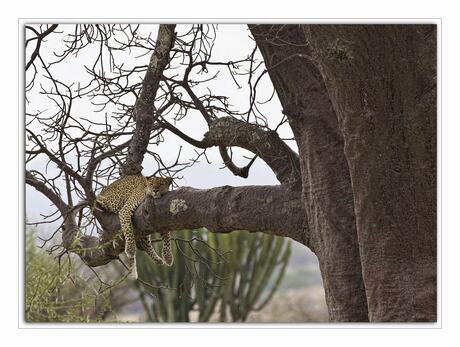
294	306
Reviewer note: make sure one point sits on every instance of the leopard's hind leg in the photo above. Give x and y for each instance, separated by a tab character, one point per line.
145	244
166	252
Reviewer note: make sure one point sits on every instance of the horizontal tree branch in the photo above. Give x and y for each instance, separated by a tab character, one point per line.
269	209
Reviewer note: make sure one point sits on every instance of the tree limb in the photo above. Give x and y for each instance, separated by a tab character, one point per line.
42	188
144	107
222	209
39	38
237	171
266	144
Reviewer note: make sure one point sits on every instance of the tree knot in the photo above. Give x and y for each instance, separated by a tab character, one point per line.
177	206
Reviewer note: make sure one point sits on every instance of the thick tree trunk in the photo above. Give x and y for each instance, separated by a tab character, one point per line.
327	192
361	101
382	82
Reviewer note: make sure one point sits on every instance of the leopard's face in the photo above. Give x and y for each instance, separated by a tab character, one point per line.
157	186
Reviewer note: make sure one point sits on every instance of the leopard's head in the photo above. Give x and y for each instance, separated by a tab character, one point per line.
159	185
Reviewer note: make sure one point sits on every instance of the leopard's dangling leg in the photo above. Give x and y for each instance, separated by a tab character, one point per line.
130	241
145	244
166	252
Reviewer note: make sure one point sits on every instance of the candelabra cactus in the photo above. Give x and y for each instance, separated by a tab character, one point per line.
215	276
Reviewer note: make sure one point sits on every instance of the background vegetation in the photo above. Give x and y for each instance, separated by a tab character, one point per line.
232	277
57	291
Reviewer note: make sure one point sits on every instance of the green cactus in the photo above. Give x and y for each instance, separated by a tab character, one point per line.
202	280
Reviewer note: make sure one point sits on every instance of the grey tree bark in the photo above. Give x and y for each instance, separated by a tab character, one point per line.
362	103
327	193
222	209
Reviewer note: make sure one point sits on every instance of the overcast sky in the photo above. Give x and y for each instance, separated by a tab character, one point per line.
232	43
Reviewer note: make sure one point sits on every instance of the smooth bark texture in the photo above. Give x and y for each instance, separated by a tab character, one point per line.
327	192
382	82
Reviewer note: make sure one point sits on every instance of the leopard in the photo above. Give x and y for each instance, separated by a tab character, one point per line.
123	196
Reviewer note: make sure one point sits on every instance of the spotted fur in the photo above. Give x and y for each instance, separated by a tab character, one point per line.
123	197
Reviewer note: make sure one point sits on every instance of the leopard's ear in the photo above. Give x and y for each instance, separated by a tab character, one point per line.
169	180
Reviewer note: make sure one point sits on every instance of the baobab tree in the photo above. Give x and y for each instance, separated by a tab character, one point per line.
357	185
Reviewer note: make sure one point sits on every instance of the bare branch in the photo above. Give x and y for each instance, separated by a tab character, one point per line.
144	107
237	171
266	144
39	38
90	149
48	192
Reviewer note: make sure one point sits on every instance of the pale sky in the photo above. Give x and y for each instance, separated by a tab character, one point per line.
232	43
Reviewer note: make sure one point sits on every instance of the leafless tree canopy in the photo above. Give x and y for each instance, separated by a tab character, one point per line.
168	77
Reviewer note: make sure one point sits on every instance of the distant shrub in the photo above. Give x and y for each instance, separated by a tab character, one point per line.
56	292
